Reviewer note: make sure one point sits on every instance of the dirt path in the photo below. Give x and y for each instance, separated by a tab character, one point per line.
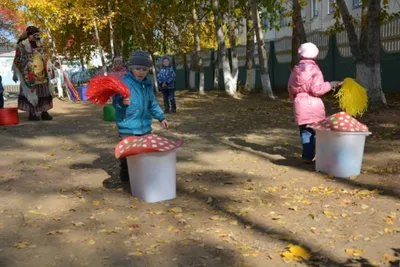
243	195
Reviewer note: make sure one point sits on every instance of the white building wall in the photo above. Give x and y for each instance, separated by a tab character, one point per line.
319	18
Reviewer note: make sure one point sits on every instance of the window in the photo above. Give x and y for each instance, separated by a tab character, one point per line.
330	6
357	3
265	24
314	8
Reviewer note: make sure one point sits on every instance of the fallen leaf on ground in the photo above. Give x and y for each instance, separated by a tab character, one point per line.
134	226
91	242
296	253
217	218
364	207
329	213
95	203
389	220
37	212
355	252
388	258
55	232
171	228
78	224
175	210
21	245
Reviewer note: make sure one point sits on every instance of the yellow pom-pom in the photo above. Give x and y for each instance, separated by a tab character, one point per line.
352	97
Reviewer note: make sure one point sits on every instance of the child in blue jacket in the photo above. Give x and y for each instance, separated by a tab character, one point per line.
134	114
166	80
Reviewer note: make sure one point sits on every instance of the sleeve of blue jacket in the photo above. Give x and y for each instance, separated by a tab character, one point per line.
117	102
159	77
155	109
171	76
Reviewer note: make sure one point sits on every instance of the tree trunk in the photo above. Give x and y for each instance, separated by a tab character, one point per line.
60	90
295	43
350	29
217	66
367	55
250	64
262	54
226	68
82	63
155	83
100	48
197	64
298	22
111	30
232	41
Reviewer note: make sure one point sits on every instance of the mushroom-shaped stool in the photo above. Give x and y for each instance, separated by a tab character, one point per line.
152	166
340	145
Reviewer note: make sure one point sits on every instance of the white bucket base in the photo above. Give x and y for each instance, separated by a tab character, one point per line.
340	154
153	176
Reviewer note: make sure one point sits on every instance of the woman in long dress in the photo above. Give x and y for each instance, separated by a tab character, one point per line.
30	69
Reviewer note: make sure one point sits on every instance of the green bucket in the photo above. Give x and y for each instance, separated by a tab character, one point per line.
109	113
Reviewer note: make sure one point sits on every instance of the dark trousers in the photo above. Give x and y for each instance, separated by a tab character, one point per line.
308	142
123	163
1	100
169	96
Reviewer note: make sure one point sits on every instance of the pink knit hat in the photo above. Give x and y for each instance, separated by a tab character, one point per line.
308	51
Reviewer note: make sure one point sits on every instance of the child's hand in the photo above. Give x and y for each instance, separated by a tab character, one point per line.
165	124
336	84
126	101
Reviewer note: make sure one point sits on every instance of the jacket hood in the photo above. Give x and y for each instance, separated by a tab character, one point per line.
302	71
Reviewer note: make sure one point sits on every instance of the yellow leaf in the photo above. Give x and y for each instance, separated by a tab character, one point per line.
233	222
162	241
364	207
137	253
21	245
295	253
91	242
171	228
299	251
37	212
217	218
389	220
95	203
329	213
355	252
175	210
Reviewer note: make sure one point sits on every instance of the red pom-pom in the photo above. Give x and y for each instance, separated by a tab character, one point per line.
102	88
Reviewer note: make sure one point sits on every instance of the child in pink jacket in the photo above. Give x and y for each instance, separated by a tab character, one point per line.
306	85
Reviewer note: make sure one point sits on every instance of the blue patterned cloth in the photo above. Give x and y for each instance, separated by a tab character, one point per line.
166	75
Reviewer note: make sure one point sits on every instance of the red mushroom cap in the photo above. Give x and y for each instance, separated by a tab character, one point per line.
150	143
340	122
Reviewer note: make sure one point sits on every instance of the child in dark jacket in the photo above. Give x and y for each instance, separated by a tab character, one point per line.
166	80
1	93
134	114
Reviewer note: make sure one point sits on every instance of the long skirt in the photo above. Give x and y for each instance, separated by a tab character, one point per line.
45	100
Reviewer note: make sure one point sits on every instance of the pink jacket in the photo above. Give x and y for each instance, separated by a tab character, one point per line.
306	85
